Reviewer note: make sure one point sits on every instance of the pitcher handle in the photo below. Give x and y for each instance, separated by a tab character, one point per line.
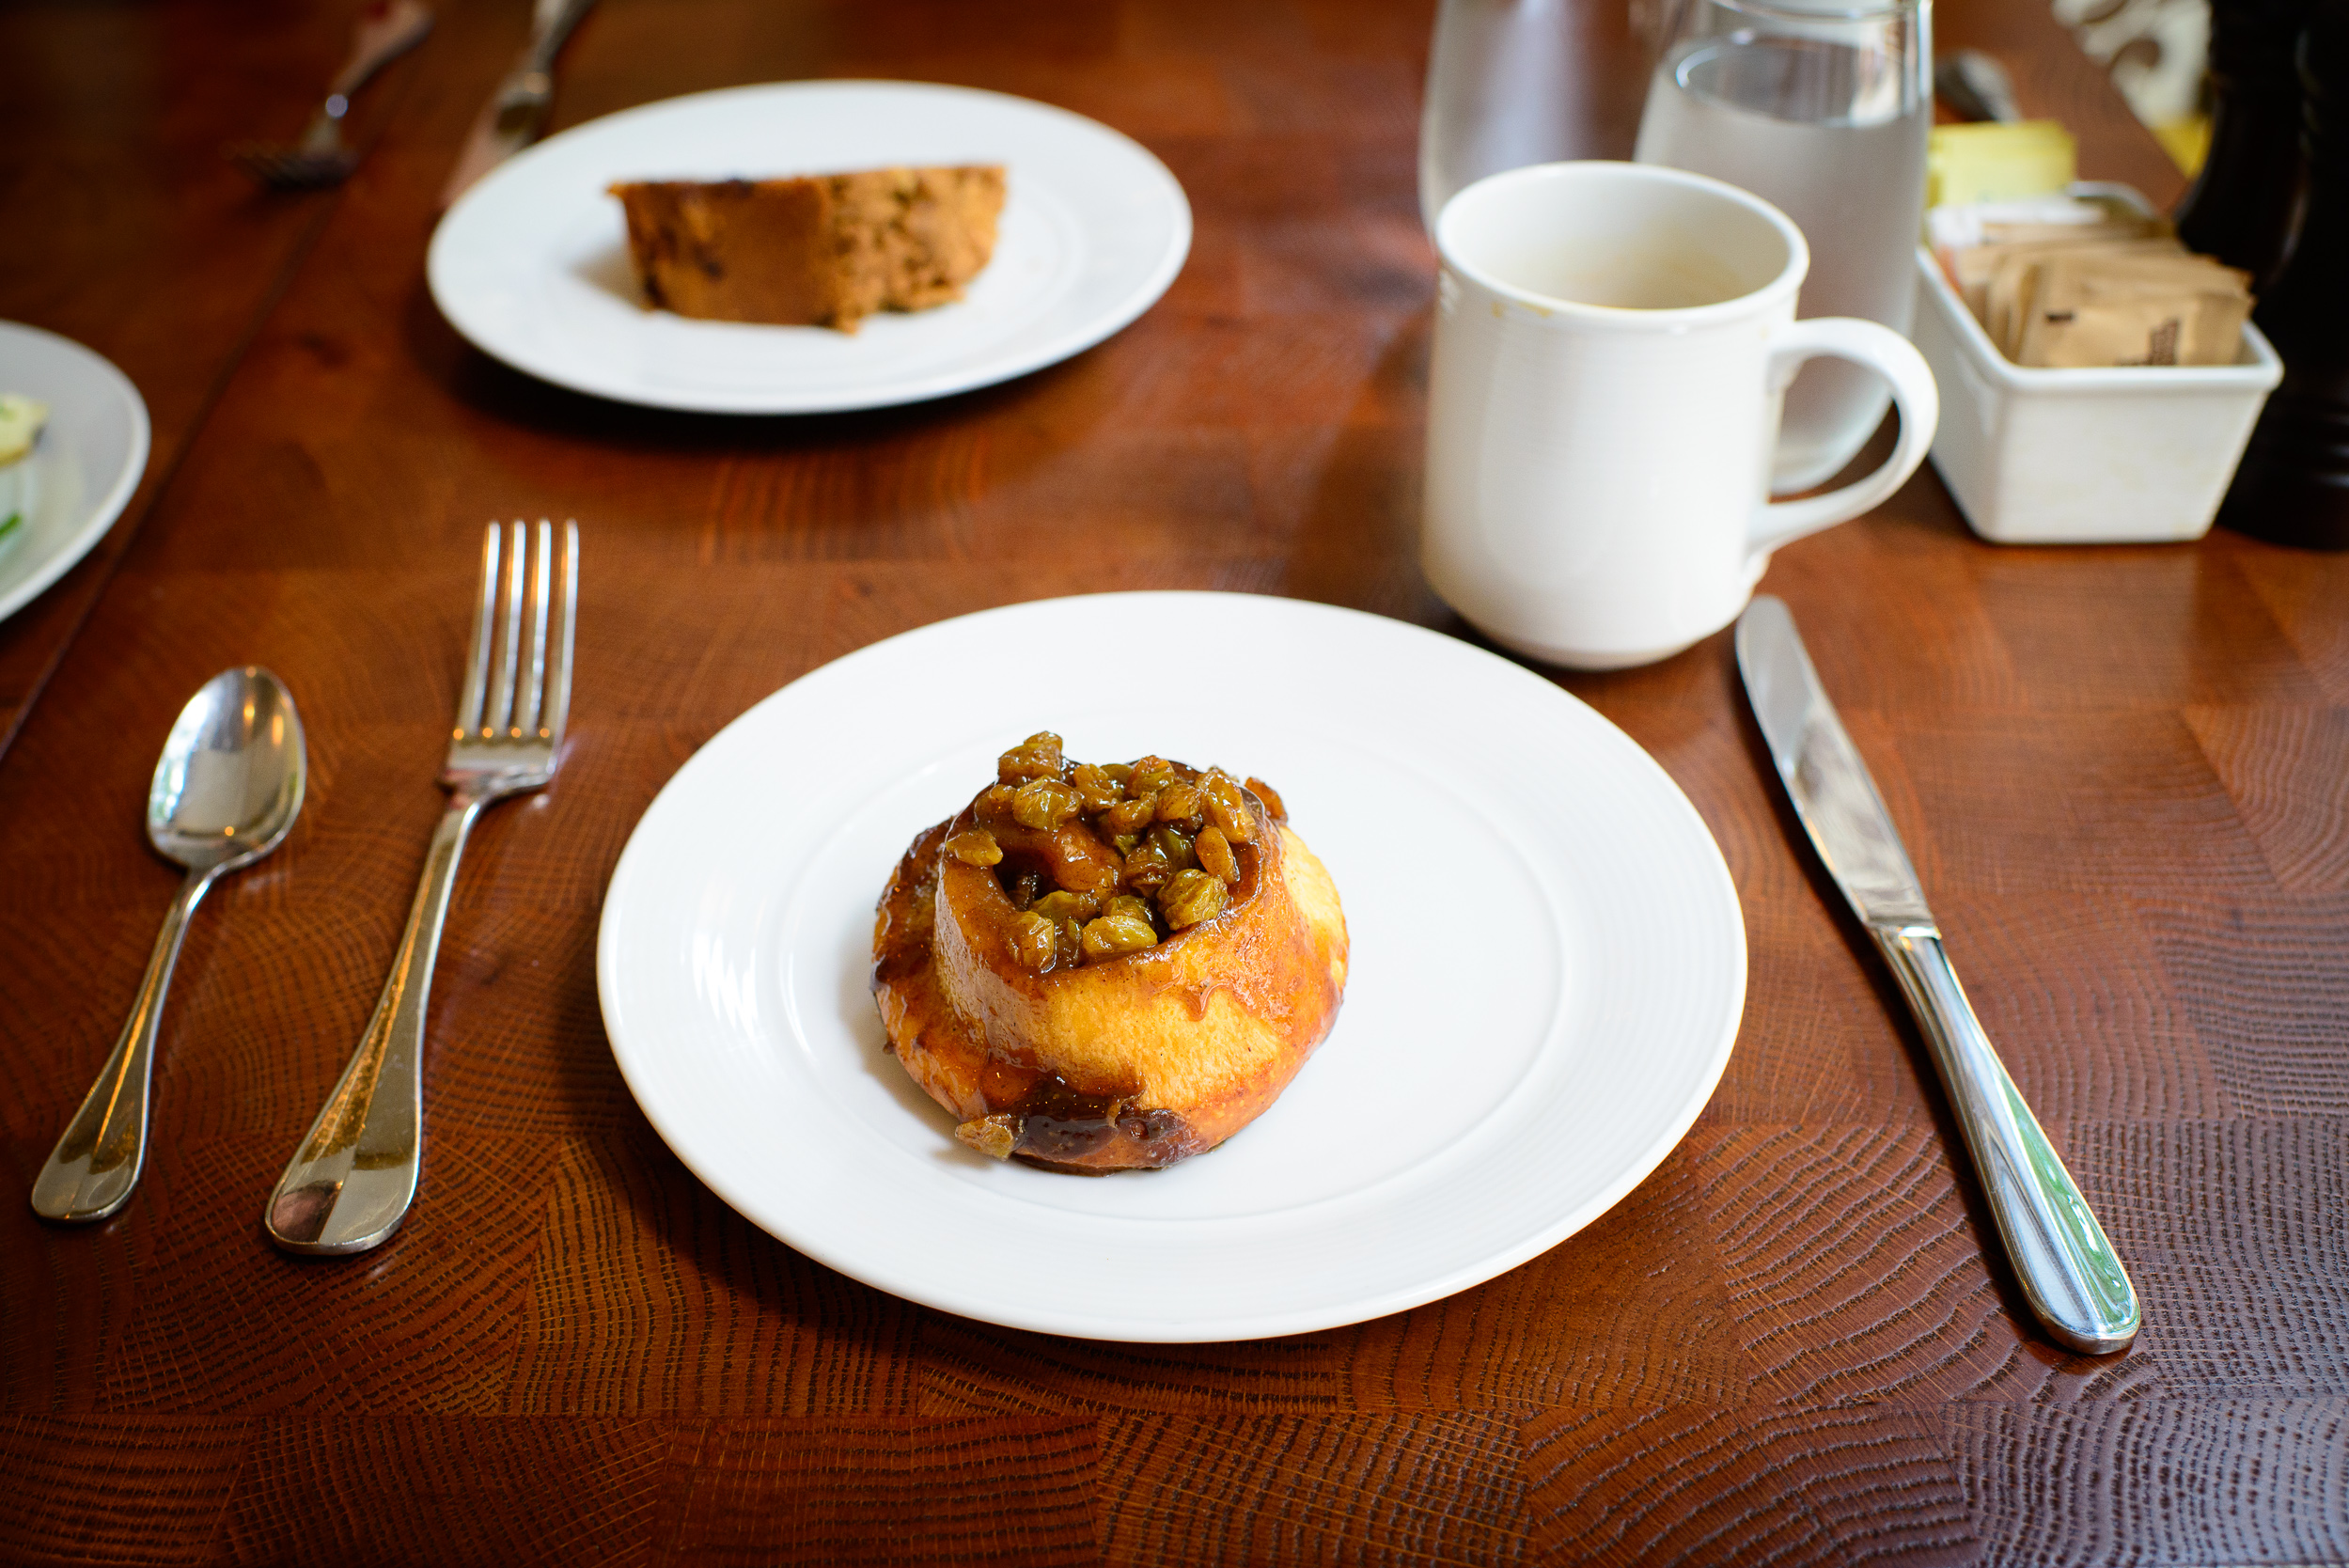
1878	349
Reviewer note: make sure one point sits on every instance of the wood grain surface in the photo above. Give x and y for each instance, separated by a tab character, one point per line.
2122	772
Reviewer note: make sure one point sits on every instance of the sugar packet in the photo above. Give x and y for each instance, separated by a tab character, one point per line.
2133	309
2068	281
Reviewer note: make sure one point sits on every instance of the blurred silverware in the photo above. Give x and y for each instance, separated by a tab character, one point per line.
1976	87
387	30
516	112
351	1182
225	793
2069	1273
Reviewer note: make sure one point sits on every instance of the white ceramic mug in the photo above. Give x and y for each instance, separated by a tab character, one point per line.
1612	341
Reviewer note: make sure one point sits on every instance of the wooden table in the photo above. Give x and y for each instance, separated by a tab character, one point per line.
2120	770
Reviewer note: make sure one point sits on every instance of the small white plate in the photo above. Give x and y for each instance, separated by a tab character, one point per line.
79	475
1548	967
532	264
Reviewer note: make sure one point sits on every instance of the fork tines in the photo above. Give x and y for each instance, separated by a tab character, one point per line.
514	569
282	168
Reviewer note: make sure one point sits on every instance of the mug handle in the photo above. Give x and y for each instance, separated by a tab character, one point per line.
1890	355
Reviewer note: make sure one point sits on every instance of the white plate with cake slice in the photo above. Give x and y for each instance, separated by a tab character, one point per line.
533	264
1547	969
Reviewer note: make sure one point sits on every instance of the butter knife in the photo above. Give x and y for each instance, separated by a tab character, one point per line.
2069	1273
516	112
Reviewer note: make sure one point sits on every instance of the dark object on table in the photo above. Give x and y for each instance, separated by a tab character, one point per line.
2293	485
387	30
2241	207
1976	88
517	111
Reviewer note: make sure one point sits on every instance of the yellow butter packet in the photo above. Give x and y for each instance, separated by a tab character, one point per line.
1998	163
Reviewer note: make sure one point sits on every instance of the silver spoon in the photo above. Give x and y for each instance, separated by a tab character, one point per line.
227	791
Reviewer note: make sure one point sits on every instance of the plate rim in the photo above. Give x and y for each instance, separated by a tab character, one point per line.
1008	366
908	1285
108	508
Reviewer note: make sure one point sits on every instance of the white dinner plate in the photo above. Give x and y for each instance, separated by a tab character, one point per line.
1548	966
532	263
79	475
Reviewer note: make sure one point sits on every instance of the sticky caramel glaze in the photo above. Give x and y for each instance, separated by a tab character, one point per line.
1124	1062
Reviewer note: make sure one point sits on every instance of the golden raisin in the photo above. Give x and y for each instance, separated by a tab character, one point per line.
1069	943
1150	775
1190	897
1037	757
1129	906
1130	816
976	847
1024	889
1033	942
1174	844
1095	788
1148	868
1060	906
994	805
1271	797
1227	810
1182	805
1214	852
1114	935
1043	804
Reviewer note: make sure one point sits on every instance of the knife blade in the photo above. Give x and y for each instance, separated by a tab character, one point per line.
516	112
2070	1275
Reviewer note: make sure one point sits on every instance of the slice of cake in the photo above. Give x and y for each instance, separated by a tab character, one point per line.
827	250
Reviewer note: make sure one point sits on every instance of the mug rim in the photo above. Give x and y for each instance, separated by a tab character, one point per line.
1788	280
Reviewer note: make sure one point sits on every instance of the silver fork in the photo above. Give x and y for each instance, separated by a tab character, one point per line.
350	1183
387	30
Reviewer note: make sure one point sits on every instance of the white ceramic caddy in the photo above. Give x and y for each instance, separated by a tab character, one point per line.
2137	454
1548	967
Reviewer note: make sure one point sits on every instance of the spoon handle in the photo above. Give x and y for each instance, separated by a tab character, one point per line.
350	1184
95	1166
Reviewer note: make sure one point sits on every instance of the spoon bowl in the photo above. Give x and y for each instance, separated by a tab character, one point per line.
230	779
225	793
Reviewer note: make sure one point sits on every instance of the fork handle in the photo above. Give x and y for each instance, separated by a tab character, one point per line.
387	30
350	1184
548	42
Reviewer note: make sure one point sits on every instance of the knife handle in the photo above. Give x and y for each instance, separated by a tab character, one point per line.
2069	1272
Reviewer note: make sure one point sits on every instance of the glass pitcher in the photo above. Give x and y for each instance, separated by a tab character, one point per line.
1821	109
1505	88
